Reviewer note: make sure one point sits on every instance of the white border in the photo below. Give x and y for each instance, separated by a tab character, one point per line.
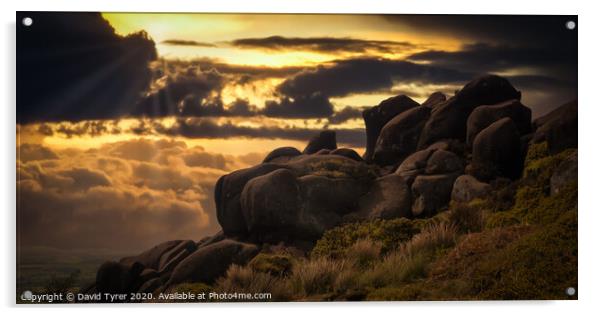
590	222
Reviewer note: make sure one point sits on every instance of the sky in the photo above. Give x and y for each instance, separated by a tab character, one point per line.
126	120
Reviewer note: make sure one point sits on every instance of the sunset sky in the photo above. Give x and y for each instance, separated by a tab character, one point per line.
123	135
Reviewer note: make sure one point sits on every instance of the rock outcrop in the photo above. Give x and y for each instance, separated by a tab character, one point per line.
376	117
467	188
497	152
448	120
484	116
558	128
324	140
418	158
399	137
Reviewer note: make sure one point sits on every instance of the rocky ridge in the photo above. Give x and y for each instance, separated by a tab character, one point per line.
418	159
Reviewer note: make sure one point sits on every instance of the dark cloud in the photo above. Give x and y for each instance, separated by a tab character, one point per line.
191	93
321	44
72	66
302	106
245	73
366	75
209	128
178	42
482	57
346	114
523	30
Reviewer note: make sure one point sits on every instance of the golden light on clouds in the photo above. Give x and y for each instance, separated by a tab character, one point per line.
218	30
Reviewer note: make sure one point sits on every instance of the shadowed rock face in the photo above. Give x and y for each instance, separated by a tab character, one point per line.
558	128
467	188
448	120
434	100
324	140
212	261
485	115
399	137
497	152
376	117
282	154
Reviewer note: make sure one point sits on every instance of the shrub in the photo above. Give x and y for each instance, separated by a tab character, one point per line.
274	264
390	233
195	288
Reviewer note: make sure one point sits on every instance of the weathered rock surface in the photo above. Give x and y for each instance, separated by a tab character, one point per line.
448	120
389	197
282	154
227	197
467	188
434	100
431	193
558	128
399	137
118	278
210	262
443	161
497	152
376	117
485	115
347	152
432	160
324	140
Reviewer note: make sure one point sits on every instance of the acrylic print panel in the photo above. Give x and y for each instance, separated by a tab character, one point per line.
279	157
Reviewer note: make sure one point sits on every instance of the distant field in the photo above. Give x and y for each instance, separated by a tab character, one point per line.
36	266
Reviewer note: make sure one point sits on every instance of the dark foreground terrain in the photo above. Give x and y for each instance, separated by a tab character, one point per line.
458	198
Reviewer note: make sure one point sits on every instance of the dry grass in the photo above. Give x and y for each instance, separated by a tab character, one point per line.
364	253
245	279
320	275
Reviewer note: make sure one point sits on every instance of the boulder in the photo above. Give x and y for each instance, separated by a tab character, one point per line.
448	120
414	165
151	258
219	236
432	160
170	258
227	197
497	151
443	161
565	174
281	207
399	137
485	115
377	116
467	188
118	278
559	128
347	152
324	140
389	197
282	154
270	203
434	100
210	262
431	193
